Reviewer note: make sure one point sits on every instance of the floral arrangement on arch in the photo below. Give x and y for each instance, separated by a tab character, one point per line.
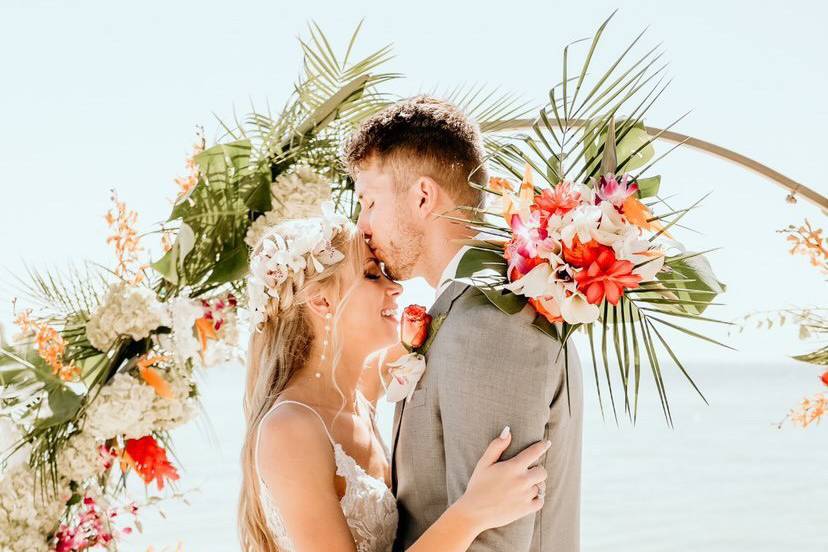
102	366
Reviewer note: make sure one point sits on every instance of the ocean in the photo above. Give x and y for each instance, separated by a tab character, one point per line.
725	478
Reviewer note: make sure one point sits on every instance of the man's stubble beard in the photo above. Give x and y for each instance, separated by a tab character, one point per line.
404	253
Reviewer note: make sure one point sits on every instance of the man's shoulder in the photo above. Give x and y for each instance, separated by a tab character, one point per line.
474	309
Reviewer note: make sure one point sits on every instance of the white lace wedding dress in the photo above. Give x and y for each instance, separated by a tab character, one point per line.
369	506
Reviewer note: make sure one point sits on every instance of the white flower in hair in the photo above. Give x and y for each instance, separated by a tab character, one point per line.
286	250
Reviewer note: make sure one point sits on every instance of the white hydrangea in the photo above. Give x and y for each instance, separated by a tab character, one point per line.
178	410
80	458
123	407
26	517
183	314
126	310
295	195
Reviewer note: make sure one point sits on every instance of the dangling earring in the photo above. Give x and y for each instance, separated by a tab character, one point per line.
328	317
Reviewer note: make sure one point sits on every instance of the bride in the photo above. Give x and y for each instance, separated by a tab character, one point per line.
316	474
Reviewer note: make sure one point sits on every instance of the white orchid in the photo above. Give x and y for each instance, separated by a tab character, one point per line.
581	222
534	284
405	373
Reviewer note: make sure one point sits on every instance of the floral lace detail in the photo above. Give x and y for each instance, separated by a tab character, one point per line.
368	504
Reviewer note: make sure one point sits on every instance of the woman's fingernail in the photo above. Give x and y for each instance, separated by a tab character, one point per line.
505	432
548	444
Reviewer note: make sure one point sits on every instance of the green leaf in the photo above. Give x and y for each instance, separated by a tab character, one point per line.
231	266
632	144
546	327
506	301
259	198
167	266
703	281
479	263
648	187
64	404
224	160
820	357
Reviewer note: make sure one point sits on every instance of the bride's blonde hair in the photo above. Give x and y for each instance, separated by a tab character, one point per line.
275	355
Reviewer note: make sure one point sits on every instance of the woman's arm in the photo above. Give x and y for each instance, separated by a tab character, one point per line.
375	375
498	494
297	464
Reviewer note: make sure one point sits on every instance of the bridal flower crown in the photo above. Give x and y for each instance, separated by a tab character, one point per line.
287	253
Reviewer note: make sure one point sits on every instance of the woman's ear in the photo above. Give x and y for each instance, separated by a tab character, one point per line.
319	304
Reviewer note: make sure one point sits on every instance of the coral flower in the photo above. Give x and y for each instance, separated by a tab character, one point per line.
581	255
541	303
149	460
557	201
606	277
414	326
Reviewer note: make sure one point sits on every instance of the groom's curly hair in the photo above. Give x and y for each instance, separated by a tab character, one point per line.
426	136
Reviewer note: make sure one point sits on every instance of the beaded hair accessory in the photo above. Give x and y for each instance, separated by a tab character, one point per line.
286	254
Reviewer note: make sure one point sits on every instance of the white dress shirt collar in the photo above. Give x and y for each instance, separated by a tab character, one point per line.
447	277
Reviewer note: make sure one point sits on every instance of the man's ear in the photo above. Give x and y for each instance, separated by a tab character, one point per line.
319	304
428	195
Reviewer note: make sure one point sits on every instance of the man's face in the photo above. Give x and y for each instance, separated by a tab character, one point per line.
389	220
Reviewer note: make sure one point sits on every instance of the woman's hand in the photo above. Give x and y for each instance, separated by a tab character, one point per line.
499	493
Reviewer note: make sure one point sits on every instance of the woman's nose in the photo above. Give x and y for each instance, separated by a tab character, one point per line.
394	288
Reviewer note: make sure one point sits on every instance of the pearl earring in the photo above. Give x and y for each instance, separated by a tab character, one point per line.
328	317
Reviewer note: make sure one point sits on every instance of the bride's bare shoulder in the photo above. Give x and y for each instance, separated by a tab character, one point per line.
292	441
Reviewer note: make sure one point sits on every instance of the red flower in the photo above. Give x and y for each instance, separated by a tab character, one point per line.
606	277
582	255
824	378
149	460
414	326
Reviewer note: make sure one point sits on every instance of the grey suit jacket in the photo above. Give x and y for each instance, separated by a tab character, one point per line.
486	370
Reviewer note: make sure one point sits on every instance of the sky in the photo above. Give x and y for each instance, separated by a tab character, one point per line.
100	96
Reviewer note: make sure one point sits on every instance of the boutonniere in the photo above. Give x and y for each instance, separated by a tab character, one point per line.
417	332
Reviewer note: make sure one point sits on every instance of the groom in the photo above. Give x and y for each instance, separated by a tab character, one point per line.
411	163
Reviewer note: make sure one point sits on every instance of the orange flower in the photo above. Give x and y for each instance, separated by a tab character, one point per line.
153	377
540	306
414	326
49	345
606	277
638	214
824	378
582	255
500	185
125	238
810	410
206	329
187	183
148	460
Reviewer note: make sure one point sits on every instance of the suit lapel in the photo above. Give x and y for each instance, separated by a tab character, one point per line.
441	306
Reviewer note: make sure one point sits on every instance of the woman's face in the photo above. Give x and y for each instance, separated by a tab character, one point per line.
370	320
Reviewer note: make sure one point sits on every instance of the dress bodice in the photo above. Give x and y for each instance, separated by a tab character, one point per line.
368	504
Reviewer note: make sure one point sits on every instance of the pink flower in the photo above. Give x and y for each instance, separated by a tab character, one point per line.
611	190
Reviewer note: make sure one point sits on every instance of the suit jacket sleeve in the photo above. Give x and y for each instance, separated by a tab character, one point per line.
498	370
